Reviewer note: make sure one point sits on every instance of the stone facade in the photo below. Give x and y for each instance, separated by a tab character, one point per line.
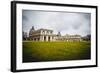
69	38
47	35
41	35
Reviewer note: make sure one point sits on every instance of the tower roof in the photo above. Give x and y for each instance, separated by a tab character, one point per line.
32	27
59	34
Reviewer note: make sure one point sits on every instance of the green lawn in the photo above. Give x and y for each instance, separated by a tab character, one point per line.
55	51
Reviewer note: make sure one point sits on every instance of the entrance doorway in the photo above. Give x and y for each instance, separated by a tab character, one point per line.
44	38
49	38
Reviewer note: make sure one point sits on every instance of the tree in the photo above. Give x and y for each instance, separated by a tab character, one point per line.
24	36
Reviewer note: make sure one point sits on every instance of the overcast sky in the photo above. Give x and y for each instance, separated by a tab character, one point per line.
64	22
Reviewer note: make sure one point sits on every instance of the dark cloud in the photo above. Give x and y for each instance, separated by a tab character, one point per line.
24	18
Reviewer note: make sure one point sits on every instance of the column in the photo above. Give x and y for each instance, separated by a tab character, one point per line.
46	38
42	38
45	32
51	38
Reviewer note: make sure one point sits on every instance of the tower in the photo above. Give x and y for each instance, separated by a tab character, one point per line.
59	34
31	30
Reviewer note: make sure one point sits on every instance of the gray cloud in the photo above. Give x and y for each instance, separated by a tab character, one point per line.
65	22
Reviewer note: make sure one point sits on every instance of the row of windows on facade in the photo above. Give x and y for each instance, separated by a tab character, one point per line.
46	32
40	32
55	39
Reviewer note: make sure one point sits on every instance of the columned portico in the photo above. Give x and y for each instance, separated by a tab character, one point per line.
45	38
50	38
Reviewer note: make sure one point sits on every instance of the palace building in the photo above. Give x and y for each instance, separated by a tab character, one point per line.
41	34
47	35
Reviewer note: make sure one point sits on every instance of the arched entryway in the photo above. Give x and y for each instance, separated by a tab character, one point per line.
44	38
48	38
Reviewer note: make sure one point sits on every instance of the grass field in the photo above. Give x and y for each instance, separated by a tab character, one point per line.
55	51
